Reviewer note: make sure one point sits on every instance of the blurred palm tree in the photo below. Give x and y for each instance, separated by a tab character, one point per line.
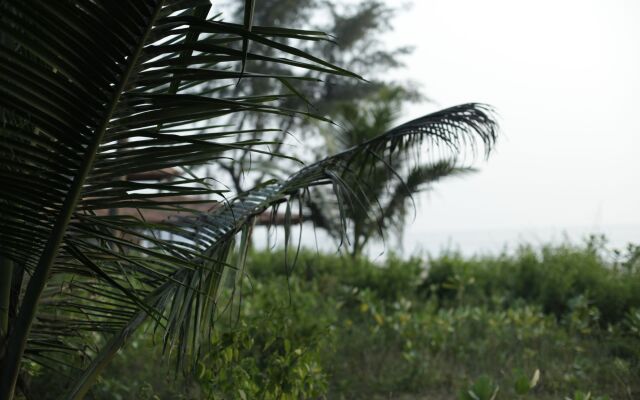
356	31
94	93
386	189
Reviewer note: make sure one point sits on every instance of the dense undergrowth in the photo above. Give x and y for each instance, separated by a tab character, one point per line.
542	323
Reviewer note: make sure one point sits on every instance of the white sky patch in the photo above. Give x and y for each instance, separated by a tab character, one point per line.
564	77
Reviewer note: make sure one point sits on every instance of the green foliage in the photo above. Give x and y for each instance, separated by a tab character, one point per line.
523	384
482	389
557	278
579	395
355	329
266	358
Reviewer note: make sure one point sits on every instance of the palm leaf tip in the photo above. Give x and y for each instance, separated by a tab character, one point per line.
458	127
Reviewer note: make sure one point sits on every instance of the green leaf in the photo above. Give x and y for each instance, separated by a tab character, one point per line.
481	389
522	385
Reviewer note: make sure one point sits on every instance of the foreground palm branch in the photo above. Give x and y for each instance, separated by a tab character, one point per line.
94	92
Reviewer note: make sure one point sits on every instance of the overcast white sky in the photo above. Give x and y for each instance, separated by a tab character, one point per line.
564	77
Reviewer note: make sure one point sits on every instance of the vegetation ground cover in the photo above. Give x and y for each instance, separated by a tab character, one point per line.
446	327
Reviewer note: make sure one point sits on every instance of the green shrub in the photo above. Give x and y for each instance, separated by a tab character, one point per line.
551	277
356	329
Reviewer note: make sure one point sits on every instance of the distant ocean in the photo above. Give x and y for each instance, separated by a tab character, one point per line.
497	240
472	242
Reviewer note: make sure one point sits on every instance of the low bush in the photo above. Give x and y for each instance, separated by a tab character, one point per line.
447	327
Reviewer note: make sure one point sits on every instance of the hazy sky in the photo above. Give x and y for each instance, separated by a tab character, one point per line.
564	77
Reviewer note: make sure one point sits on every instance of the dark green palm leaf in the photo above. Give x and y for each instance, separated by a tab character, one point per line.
81	83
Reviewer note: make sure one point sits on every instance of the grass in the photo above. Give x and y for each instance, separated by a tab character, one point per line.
447	327
569	311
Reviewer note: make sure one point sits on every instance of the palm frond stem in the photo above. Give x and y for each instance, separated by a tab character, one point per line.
6	278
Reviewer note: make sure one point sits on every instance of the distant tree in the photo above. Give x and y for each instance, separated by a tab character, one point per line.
356	31
384	191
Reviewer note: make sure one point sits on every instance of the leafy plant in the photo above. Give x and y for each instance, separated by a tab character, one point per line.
523	384
366	333
266	358
579	395
393	342
481	389
93	93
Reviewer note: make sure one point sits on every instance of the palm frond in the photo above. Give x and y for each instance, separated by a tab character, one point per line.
92	92
213	233
467	124
418	179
